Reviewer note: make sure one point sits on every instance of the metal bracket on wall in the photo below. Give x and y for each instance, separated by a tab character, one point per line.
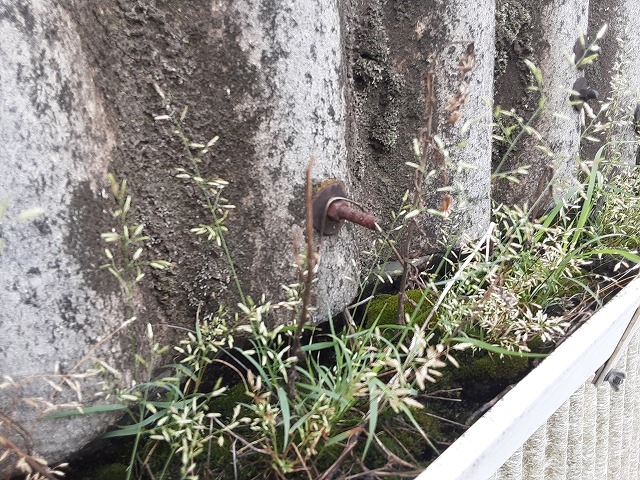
603	373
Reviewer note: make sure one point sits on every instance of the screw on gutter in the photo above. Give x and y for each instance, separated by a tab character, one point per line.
330	207
615	379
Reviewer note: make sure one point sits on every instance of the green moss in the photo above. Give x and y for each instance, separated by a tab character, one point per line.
113	471
225	403
384	308
400	437
369	71
484	376
385	130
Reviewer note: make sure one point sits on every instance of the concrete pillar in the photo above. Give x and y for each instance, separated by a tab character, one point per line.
393	46
545	34
55	152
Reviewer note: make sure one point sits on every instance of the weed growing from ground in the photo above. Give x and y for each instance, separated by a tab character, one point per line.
296	413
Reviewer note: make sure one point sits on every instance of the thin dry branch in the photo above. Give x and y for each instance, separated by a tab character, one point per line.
430	151
425	143
32	462
307	278
351	443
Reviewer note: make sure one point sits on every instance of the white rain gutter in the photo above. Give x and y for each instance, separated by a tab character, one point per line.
491	441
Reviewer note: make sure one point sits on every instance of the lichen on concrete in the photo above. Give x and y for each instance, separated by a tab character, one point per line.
513	34
391	49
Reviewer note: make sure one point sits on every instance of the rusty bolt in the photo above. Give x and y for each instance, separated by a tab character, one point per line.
330	207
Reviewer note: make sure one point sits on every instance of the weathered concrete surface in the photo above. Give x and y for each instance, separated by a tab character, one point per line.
617	69
55	151
392	46
267	77
295	48
545	34
470	152
278	81
78	100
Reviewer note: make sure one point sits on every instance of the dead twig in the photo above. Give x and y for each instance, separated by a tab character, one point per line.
418	181
430	149
307	280
32	462
351	443
303	464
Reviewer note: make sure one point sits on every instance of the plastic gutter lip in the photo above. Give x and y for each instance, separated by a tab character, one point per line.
491	441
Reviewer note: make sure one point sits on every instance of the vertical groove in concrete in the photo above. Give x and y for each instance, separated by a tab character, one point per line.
394	47
553	28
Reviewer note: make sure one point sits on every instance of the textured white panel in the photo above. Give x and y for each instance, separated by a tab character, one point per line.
631	418
512	468
594	435
616	427
576	433
533	455
557	431
567	373
601	448
589	433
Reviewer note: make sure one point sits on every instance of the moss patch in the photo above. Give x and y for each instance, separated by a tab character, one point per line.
384	308
114	471
484	376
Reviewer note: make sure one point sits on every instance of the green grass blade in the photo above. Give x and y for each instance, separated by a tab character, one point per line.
113	407
588	203
634	257
134	429
266	378
374	403
286	415
312	347
494	348
300	422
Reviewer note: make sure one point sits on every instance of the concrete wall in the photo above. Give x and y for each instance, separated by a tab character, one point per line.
344	81
56	148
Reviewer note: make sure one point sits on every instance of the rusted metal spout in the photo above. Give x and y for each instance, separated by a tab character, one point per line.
331	207
341	210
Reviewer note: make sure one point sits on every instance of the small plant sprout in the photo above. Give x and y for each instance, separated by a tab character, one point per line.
588	52
126	262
